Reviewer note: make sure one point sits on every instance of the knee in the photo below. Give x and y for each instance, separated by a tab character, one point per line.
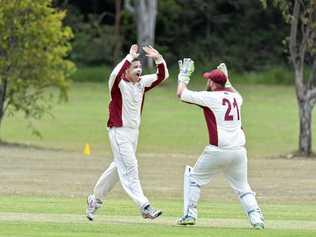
242	190
246	194
132	172
196	180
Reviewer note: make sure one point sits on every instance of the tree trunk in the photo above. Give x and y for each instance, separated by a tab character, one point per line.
146	11
305	113
118	41
299	39
305	136
3	90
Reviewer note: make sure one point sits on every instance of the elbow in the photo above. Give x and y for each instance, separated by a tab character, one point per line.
166	75
162	73
113	75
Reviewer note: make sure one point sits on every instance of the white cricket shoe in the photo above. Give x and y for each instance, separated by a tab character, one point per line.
257	220
186	220
92	205
149	212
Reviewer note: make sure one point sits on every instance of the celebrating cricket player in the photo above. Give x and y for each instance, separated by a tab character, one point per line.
226	153
127	90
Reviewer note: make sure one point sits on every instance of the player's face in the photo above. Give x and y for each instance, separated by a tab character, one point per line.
134	71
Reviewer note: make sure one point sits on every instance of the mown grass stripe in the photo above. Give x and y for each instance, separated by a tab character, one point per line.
164	220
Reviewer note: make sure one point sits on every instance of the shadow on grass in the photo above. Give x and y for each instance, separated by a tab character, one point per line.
26	146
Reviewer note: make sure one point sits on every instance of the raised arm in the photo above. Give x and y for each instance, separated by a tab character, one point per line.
181	87
223	68
186	67
152	80
119	70
200	98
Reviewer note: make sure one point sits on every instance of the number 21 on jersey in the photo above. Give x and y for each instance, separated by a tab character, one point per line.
232	109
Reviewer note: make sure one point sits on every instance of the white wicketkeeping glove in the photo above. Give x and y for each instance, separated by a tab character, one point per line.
186	67
223	68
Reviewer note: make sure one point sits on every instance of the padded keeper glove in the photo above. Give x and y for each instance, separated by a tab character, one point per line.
186	68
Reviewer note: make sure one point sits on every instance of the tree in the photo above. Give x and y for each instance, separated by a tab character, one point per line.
301	15
212	31
144	12
33	47
118	42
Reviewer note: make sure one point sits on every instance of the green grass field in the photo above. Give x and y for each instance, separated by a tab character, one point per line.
270	119
43	190
32	216
43	194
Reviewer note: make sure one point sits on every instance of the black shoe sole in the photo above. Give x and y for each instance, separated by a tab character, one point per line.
185	224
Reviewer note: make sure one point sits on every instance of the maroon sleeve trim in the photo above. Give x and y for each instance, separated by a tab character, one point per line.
119	75
115	106
160	77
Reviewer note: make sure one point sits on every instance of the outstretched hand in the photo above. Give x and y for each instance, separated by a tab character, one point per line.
134	51
151	52
223	68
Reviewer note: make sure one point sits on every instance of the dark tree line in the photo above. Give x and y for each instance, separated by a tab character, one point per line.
241	33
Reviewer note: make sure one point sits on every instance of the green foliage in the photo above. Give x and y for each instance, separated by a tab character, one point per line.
275	75
301	16
93	41
269	119
240	33
282	5
92	74
33	47
306	21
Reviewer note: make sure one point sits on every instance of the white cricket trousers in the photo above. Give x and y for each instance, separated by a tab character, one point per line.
213	160
124	166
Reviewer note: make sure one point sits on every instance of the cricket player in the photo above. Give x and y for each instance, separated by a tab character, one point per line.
226	152
127	90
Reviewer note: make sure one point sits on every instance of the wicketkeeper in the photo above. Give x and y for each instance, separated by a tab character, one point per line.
127	89
226	152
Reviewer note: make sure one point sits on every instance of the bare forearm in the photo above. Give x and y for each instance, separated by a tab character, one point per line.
181	87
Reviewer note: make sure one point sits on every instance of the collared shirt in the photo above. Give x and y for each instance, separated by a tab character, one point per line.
127	98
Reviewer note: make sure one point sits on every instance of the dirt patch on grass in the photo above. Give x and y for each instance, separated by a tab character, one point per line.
31	171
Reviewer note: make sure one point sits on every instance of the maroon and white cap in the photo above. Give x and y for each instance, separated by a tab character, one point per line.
215	75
